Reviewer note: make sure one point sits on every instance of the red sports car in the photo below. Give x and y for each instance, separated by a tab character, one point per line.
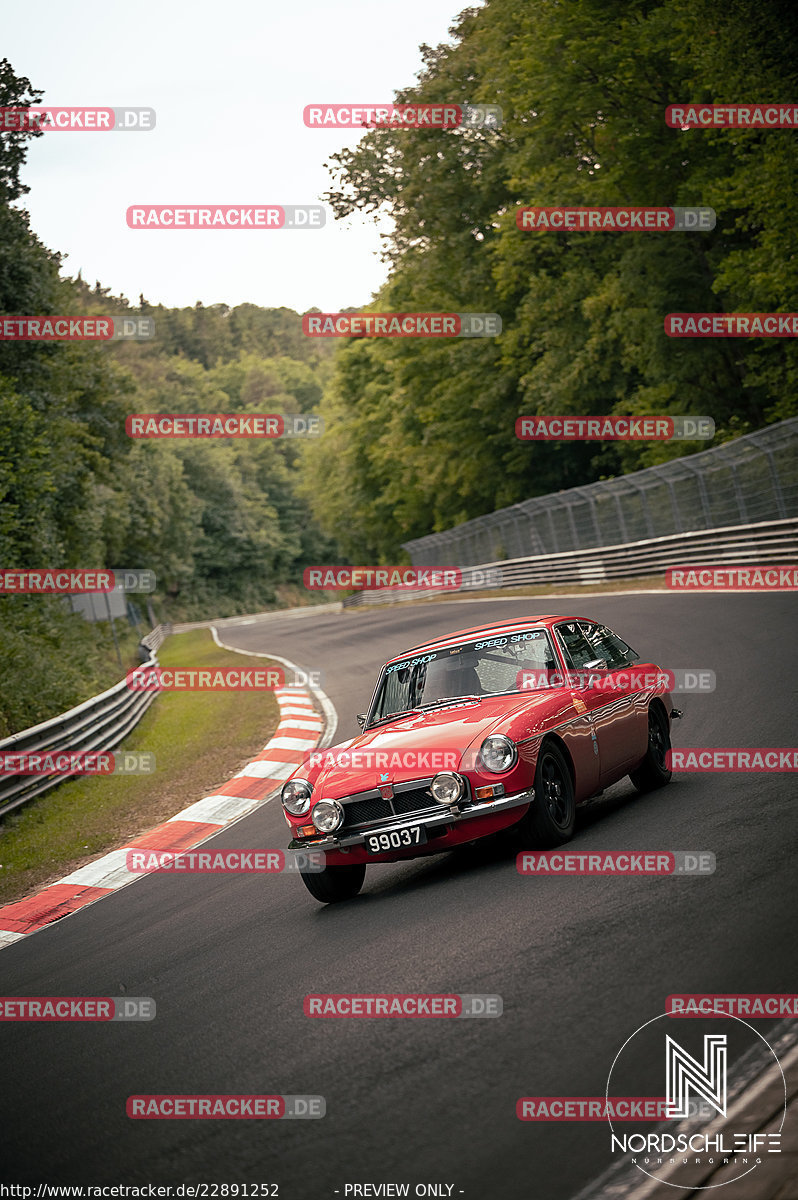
469	734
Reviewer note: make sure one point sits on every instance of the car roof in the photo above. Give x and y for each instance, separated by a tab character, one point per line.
517	624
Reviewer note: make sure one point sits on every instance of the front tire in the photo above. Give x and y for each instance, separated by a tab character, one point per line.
551	817
334	883
653	772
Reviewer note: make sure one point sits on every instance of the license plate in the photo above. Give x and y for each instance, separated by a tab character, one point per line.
397	839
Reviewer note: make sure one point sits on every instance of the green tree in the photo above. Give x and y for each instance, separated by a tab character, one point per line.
583	87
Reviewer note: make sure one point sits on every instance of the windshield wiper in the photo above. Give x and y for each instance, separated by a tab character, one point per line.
409	712
404	712
447	700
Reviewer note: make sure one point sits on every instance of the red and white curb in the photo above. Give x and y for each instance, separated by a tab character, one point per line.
300	730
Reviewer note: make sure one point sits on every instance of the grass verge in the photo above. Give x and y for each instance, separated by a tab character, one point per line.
199	740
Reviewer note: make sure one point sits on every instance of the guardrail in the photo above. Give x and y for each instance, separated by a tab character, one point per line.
750	479
764	542
156	637
96	726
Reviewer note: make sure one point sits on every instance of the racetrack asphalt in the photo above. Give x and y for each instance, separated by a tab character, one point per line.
580	963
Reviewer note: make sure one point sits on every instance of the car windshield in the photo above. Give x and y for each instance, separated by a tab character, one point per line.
507	663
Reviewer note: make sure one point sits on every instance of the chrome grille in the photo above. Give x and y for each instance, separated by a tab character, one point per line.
358	812
367	807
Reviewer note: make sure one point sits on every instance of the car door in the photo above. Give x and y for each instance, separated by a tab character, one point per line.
627	722
606	694
641	681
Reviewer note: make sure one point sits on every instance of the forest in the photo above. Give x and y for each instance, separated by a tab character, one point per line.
419	433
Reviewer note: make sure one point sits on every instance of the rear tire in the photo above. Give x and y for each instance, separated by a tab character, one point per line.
550	818
334	883
652	772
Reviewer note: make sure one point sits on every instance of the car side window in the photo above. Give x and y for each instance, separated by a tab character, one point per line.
607	645
578	651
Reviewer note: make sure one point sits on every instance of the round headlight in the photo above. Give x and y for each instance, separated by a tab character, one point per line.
447	787
327	816
295	796
498	753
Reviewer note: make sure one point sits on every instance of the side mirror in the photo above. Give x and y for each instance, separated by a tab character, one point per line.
361	720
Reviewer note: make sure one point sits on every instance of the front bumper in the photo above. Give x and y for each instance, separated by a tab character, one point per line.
429	818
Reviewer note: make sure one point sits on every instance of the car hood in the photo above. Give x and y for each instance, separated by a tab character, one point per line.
416	747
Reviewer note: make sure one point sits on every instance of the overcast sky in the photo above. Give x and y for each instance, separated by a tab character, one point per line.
228	81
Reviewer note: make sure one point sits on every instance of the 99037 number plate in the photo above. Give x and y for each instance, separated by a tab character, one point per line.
396	839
